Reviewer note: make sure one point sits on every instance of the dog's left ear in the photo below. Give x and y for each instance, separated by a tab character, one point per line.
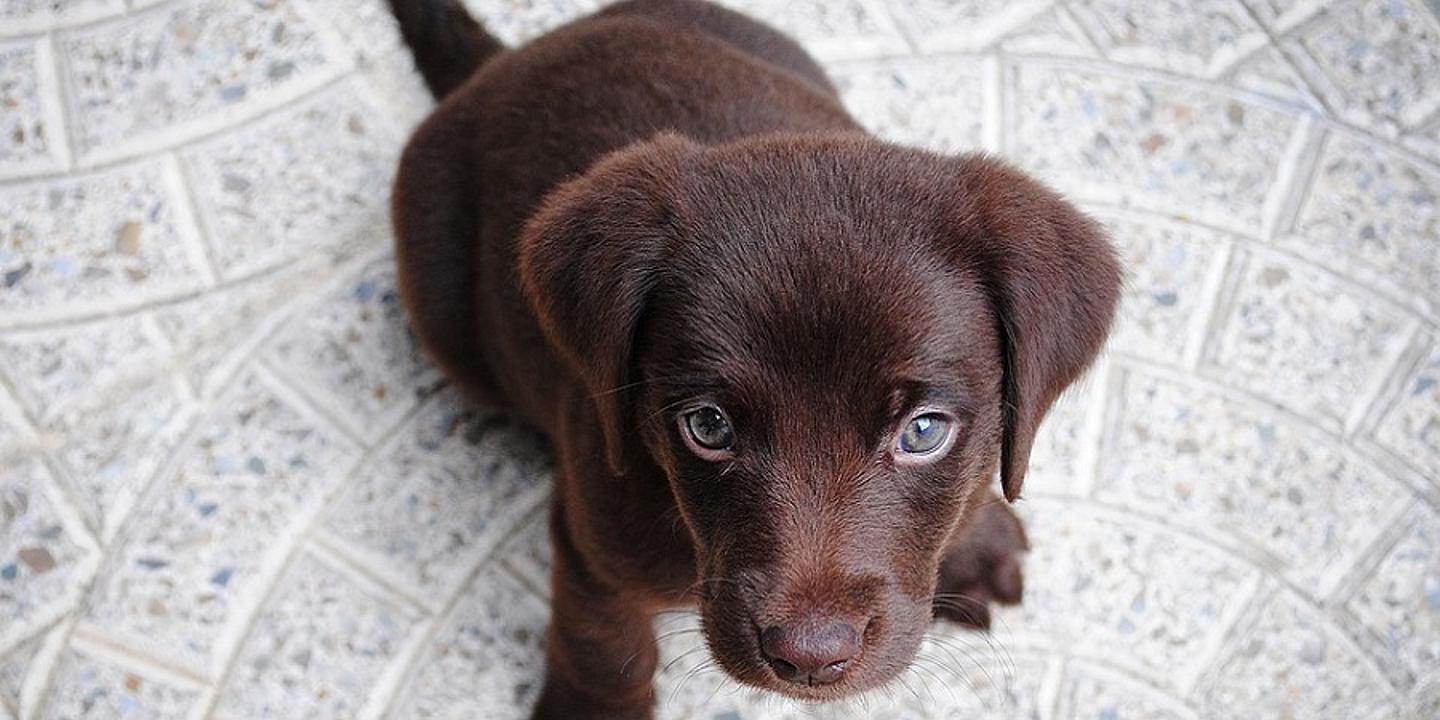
1054	282
588	260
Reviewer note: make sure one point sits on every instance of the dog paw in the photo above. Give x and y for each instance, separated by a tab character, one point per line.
982	566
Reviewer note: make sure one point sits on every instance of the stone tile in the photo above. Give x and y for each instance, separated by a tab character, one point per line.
1196	38
1175	148
1268	72
830	29
1369	209
486	660
450	488
941	25
86	686
933	103
94	243
300	180
160	76
1289	661
527	551
1284	15
19	664
29	140
1097	582
1410	427
1399	603
1244	472
355	351
113	446
57	367
1095	693
1055	460
518	21
1053	32
367	27
1166	263
1297	336
45	561
203	538
212	333
26	16
316	649
1374	62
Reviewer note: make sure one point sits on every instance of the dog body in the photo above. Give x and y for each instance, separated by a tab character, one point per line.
778	360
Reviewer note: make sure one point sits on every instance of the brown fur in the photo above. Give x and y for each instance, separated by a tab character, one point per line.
666	204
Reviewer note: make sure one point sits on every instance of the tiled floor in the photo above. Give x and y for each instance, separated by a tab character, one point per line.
229	486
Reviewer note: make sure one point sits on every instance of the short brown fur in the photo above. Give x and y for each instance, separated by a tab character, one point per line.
665	205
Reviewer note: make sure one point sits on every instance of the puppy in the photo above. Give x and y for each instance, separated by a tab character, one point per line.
779	360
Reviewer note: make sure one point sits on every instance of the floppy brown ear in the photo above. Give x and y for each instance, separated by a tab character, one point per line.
589	258
1054	281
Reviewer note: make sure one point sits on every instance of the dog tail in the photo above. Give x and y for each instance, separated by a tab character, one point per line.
447	43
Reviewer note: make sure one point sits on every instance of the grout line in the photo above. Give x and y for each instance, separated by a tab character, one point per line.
1094	427
1393	528
1405	351
992	74
1236	617
192	225
1294	176
539	496
50	76
1052	684
335	553
1217	296
35	688
93	641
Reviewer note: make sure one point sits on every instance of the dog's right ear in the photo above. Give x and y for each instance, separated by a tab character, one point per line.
588	260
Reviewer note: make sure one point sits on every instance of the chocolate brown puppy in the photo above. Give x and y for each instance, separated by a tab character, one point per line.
779	360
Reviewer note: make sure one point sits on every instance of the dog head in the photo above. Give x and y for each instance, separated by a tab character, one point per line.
827	344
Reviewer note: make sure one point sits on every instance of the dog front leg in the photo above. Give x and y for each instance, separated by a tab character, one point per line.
600	652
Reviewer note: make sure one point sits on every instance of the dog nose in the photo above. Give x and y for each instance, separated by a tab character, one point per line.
813	653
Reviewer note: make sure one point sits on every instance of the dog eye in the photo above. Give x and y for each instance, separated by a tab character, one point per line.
709	428
925	434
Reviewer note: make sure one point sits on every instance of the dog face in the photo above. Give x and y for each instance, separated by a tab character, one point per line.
827	345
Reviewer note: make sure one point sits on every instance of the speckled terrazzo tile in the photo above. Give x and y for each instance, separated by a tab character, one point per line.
517	21
1231	469
214	332
1176	148
1296	335
1399	603
1195	38
355	352
1268	72
31	140
1284	15
162	75
1059	451
1288	661
1374	62
830	29
1410	427
204	537
46	560
301	179
486	660
26	16
113	446
937	103
317	649
1167	263
95	243
454	484
87	686
367	27
1093	693
1053	32
1370	209
1096	582
56	367
939	25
